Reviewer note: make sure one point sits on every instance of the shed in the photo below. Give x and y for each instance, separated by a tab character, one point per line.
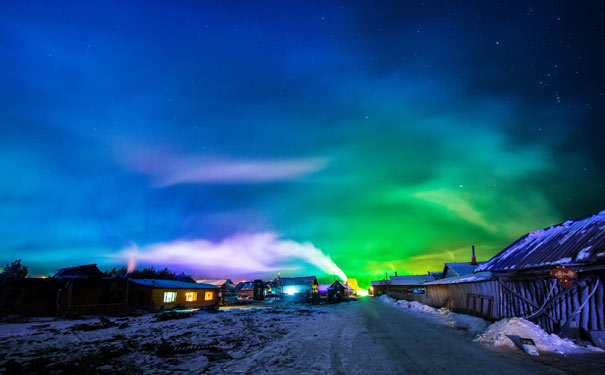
165	294
301	287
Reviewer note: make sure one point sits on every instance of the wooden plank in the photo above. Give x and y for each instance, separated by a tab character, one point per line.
592	309
599	304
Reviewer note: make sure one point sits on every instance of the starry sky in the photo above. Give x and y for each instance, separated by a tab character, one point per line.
242	139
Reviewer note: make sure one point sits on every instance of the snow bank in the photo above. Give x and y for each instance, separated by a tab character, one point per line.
386	299
442	316
498	335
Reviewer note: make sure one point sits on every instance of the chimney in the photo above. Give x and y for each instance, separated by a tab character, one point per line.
473	259
428	275
395	273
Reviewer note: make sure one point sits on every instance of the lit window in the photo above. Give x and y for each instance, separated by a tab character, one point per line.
191	296
209	296
169	296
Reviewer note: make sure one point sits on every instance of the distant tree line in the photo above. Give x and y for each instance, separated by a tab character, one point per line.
145	273
15	270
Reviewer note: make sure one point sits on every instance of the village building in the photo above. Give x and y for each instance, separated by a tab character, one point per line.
226	288
255	290
459	269
348	290
553	277
74	290
408	283
378	288
245	290
299	287
168	294
332	293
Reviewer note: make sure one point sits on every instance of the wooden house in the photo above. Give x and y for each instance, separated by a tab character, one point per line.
348	290
332	292
524	273
252	290
408	283
168	294
88	291
246	290
226	288
74	290
378	287
299	287
519	282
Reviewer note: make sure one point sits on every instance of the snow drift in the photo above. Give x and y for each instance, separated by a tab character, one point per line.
497	334
442	316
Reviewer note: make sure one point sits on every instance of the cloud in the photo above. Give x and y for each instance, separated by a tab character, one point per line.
239	255
453	202
168	170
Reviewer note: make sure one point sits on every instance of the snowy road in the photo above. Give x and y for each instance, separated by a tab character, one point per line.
365	336
370	337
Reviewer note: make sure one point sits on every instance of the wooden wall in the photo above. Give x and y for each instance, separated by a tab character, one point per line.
520	297
567	301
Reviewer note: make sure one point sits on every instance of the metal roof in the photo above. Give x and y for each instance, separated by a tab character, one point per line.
410	279
220	282
79	272
378	282
171	284
469	278
323	288
462	268
578	242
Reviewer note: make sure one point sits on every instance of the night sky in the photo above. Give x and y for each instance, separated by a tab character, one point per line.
242	139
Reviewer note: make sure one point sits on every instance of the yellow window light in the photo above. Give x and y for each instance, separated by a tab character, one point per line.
169	297
191	296
209	296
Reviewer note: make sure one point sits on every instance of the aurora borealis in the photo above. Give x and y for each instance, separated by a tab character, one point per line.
389	135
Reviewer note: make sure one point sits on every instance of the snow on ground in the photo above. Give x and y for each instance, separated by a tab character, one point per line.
499	334
502	333
473	325
193	343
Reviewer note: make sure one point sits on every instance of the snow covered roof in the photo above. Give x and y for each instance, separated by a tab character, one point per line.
218	282
378	282
468	278
171	284
304	280
246	286
574	242
323	288
462	268
410	279
79	272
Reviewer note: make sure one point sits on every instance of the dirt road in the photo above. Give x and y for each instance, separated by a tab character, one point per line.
370	337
